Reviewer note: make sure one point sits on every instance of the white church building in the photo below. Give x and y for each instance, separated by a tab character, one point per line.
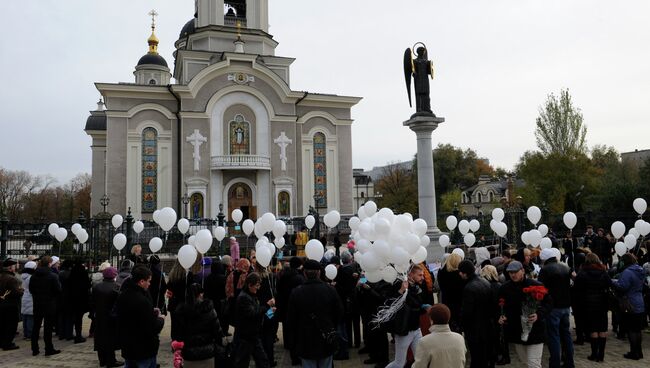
223	127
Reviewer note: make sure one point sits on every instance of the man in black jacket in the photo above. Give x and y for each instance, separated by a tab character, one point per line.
10	296
557	279
104	296
248	325
45	288
137	320
315	310
477	319
290	279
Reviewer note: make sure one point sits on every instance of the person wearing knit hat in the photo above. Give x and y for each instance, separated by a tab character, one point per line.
546	254
27	304
556	277
104	294
442	347
477	320
56	264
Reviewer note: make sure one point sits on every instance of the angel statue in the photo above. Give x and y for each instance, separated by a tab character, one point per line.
419	68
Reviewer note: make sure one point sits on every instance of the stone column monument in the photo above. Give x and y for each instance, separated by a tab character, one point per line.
423	123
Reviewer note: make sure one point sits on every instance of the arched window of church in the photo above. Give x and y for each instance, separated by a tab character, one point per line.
152	81
239	136
320	170
479	198
491	197
463	198
149	170
284	203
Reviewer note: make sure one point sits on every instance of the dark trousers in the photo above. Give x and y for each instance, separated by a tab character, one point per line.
352	326
8	324
78	318
377	344
106	356
478	351
48	320
269	334
244	349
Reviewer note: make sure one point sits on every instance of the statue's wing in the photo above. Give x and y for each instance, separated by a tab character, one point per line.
431	66
408	70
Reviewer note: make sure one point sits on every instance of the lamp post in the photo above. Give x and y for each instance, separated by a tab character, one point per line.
185	199
220	216
104	201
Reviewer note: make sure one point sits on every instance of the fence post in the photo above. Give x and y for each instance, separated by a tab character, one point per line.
4	222
129	230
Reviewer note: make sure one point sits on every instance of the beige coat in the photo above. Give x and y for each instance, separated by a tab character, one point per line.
442	348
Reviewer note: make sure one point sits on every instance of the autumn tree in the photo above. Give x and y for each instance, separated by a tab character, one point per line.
559	127
398	187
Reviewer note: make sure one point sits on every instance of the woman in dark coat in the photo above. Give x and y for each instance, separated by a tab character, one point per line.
103	299
198	327
451	289
630	286
177	285
215	290
158	285
590	291
78	298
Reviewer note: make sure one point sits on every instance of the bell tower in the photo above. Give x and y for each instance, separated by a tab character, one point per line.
252	14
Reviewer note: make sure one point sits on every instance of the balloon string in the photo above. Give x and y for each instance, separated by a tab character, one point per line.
387	312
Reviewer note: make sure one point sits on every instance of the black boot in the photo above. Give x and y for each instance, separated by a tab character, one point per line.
601	349
594	349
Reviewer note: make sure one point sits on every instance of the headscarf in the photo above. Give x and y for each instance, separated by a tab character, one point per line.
242	268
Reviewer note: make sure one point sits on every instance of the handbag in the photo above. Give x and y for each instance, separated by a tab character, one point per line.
625	305
329	334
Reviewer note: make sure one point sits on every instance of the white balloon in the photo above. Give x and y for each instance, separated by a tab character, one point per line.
402	267
192	240
570	220
620	248
463	227
310	221
261	243
459	252
373	276
546	243
219	233
167	218
640	205
498	214
534	237
382	249
399	256
361	213
52	228
630	241
354	223
82	235
451	222
333	218
155	244
61	234
411	243
237	215
366	229
279	228
425	241
370	208
314	250
524	238
187	256
645	229
263	256
372	261
443	240
117	221
419	256
635	232
138	226
543	229
493	224
268	220
502	229
119	241
618	229
382	227
402	223
386	213
279	242
534	214
362	245
330	272
248	226
389	274
156	216
419	227
203	241
469	239
75	228
474	225
183	225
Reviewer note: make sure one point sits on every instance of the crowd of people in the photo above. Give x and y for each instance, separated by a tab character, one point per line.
499	307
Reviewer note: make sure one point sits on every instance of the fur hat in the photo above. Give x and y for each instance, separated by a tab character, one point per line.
109	273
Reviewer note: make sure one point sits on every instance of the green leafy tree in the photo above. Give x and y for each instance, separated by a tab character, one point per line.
559	127
456	168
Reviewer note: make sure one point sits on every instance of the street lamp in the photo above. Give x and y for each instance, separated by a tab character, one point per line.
185	199
104	201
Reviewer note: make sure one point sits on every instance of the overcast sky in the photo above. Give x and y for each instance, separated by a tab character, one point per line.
496	61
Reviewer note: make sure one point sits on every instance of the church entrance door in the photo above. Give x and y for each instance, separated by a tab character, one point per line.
240	196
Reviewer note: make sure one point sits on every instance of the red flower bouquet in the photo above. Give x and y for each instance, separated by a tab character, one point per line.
533	297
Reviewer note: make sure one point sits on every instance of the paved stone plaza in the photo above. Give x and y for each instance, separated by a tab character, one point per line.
82	355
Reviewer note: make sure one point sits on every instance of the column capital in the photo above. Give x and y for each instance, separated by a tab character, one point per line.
423	124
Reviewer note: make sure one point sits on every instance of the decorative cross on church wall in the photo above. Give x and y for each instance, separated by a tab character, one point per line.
283	141
196	140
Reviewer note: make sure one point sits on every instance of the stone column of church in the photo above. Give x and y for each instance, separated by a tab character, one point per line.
263	192
216	193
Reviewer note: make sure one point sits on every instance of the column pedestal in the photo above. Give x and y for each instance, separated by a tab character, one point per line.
423	125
